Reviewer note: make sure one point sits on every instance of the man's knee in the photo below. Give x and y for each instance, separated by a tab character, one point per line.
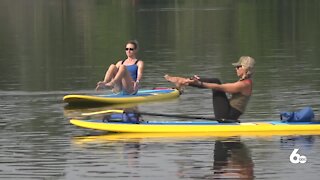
211	80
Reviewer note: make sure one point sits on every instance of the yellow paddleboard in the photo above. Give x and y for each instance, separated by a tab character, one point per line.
197	126
141	96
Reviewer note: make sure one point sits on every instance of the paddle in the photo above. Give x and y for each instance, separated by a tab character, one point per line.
162	115
103	112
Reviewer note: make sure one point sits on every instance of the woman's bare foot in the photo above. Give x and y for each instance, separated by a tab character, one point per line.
100	84
109	84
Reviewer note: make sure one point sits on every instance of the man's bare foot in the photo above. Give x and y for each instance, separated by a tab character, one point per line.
172	79
178	81
167	77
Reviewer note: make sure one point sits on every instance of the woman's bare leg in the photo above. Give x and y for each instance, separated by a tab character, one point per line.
123	76
110	74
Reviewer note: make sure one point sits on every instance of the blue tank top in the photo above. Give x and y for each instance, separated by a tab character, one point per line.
133	69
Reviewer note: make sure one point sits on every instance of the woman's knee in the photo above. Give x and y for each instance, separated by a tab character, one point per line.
122	67
112	67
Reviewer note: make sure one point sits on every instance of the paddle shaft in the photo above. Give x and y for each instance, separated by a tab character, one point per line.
162	115
183	116
175	115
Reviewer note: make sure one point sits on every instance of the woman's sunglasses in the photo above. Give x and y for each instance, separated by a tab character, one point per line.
238	67
131	49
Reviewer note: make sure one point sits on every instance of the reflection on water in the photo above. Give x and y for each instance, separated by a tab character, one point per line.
232	159
196	158
301	142
193	157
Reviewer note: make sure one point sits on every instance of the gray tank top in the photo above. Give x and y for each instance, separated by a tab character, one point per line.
239	101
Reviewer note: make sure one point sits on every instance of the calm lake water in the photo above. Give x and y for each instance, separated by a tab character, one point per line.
52	48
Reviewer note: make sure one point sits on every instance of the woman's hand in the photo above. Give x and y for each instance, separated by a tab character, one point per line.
136	85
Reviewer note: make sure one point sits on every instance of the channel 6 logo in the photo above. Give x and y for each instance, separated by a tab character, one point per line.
296	158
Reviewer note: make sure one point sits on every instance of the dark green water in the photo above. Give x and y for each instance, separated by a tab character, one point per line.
52	48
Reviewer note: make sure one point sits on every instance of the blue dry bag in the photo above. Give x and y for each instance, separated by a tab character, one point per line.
123	117
304	115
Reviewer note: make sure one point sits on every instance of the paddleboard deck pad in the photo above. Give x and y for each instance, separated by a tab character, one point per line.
141	96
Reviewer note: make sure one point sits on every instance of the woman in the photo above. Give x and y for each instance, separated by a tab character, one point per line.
126	74
240	90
